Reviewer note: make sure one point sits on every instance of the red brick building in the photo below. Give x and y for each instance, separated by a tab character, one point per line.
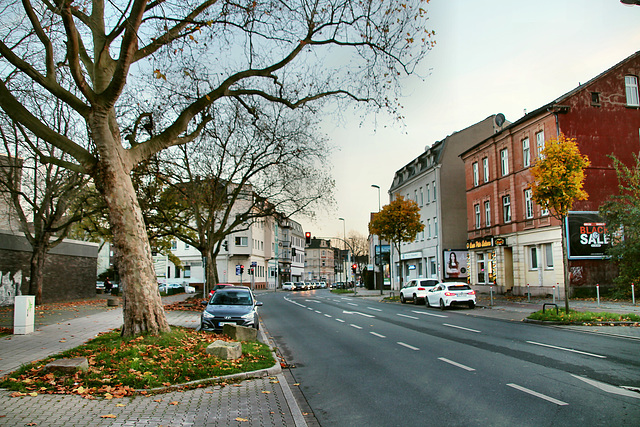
512	242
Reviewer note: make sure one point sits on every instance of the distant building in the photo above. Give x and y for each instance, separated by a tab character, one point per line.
435	180
320	263
515	245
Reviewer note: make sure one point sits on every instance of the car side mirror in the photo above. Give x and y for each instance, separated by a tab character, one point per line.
258	303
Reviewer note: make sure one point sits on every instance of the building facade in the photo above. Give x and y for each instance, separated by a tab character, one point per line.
320	264
513	244
435	180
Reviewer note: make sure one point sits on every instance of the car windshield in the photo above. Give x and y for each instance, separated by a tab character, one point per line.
459	288
231	298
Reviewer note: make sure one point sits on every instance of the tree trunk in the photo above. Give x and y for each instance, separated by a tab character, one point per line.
37	272
142	305
565	265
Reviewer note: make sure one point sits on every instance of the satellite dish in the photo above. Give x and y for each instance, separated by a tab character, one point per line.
499	119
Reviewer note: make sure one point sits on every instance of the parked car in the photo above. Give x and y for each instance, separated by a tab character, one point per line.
218	286
299	286
451	293
171	288
339	285
323	285
416	290
230	305
288	286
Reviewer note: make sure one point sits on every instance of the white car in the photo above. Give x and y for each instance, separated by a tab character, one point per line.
451	293
416	290
287	286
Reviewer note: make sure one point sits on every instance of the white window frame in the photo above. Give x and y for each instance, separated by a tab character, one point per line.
435	227
548	256
477	214
421	197
434	190
504	162
540	143
428	228
528	204
487	213
506	208
476	177
241	241
631	90
533	258
428	194
526	153
485	169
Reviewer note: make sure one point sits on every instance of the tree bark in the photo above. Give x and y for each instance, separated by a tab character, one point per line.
565	265
36	272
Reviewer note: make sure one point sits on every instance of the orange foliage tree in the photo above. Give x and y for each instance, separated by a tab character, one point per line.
559	178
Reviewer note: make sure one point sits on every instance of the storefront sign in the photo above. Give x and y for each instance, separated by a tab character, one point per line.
588	235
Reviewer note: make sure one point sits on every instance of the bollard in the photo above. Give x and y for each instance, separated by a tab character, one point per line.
554	294
633	294
528	293
598	292
491	292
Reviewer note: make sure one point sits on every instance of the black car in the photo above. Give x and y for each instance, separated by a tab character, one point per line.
230	305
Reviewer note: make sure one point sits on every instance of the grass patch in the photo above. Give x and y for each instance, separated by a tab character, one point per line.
118	366
392	298
582	316
341	291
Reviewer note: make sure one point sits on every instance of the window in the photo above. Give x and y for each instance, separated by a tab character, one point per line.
415	196
533	258
174	244
544	212
475	174
428	228
477	210
548	256
526	156
595	98
421	197
506	208
487	213
528	204
480	263
432	266
434	191
242	241
540	143
186	246
435	227
485	169
504	162
187	271
428	194
631	87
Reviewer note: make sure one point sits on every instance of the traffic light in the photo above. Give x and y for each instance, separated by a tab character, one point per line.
354	267
307	237
251	271
241	269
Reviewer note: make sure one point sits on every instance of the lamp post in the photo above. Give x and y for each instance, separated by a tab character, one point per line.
344	244
375	254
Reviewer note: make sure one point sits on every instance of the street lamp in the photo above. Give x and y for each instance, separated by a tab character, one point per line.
375	254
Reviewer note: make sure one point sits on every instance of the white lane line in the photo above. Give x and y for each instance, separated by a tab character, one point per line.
296	303
460	327
407	316
540	395
377	334
428	314
340	320
350	303
319	312
312	300
328	315
357	312
408	346
355	326
374	309
567	349
609	388
451	362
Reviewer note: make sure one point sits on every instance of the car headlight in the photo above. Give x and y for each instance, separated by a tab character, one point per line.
247	316
207	315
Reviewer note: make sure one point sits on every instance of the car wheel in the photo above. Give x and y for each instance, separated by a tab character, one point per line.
472	304
402	300
199	327
426	302
442	307
415	299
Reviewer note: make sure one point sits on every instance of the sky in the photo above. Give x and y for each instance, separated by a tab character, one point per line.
491	56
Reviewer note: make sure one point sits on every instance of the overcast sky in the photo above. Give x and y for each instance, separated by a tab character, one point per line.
492	56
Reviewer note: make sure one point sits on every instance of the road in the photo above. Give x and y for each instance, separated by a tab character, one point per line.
363	362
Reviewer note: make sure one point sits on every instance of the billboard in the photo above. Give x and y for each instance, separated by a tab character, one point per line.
588	237
455	264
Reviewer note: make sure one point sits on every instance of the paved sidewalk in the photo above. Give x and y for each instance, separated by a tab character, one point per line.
265	401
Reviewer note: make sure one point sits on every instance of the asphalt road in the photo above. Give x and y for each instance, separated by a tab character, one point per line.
362	362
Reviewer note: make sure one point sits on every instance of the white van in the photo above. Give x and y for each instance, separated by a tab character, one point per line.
287	286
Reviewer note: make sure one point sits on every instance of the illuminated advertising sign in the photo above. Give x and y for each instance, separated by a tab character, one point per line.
588	235
455	264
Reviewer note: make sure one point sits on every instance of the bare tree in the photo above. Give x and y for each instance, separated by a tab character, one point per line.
160	66
47	199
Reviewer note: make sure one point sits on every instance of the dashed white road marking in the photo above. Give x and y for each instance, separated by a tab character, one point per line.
377	334
355	326
459	365
340	320
408	346
350	303
609	388
428	314
357	312
328	315
407	316
374	309
540	395
460	327
567	349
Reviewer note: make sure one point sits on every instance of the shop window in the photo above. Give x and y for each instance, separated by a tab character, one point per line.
481	266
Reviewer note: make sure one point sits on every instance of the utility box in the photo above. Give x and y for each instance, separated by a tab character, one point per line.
24	314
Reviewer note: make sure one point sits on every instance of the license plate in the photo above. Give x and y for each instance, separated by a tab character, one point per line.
226	323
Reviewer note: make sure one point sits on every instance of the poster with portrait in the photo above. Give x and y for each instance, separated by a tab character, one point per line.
455	264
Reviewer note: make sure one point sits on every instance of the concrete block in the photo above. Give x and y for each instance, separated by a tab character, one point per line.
225	350
240	333
68	366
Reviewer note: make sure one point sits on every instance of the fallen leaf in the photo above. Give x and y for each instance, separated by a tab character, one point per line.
108	396
120	405
242	420
158	400
33	394
265	392
107	416
173	403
